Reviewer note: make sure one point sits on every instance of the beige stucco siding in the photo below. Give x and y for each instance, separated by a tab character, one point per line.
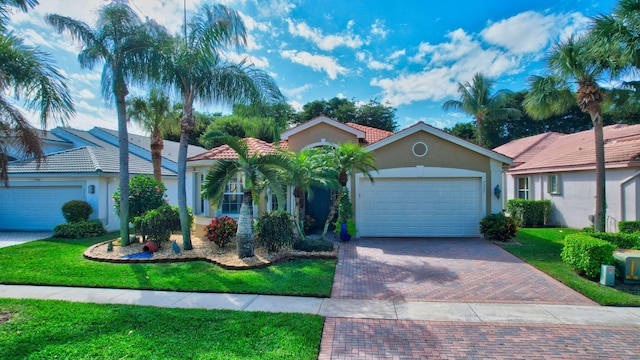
316	134
441	154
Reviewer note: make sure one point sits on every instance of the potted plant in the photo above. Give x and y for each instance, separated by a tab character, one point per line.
345	226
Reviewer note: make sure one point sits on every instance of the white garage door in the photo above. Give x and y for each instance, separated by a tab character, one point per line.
35	208
416	207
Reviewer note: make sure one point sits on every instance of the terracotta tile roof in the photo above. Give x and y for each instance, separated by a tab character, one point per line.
522	150
371	134
225	152
577	151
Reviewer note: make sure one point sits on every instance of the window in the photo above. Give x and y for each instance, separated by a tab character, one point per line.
523	188
200	202
232	197
553	184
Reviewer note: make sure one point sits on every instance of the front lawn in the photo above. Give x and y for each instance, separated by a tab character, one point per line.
60	262
39	329
541	248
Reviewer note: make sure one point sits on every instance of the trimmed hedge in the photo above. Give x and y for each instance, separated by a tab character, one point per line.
629	227
76	211
620	240
310	245
585	254
498	227
80	229
530	213
158	224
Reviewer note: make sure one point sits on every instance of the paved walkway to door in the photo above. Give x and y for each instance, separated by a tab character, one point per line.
453	270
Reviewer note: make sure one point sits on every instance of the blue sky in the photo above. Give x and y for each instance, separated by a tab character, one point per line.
408	54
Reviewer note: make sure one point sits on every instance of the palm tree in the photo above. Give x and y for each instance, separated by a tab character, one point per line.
27	72
124	43
253	168
156	115
572	62
346	160
195	66
476	100
308	169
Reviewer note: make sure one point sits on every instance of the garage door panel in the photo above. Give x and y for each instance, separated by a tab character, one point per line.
419	207
35	207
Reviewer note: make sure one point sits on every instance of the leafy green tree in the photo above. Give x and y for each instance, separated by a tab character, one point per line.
477	100
465	131
156	115
346	160
254	169
146	194
573	62
27	73
123	43
377	115
195	66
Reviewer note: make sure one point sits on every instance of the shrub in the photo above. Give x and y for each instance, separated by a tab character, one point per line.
310	224
345	209
275	230
310	245
158	224
620	240
76	210
80	229
498	227
145	193
629	227
585	254
529	213
221	230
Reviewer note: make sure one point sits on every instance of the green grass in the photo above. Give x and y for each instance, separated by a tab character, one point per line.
541	248
60	262
54	329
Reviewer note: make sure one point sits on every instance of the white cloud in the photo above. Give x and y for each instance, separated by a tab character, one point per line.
317	62
298	91
275	8
378	29
532	32
85	94
325	42
296	105
371	63
397	54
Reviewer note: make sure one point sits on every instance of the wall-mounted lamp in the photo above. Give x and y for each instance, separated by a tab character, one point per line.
92	189
497	191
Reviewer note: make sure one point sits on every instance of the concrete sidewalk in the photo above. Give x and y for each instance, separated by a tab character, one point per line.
342	308
9	238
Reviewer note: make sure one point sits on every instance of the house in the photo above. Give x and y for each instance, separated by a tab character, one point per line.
561	168
428	183
79	165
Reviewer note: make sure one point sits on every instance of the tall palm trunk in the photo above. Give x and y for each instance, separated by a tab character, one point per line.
600	219
157	144
299	210
186	128
123	143
244	235
479	126
333	210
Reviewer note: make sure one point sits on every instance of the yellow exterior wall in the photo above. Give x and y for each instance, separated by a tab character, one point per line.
316	133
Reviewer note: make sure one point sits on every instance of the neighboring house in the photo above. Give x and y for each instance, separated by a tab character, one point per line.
79	165
561	168
429	183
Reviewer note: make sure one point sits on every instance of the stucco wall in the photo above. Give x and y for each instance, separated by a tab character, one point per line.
315	134
576	201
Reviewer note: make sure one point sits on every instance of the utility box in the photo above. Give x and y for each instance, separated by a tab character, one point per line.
607	275
628	263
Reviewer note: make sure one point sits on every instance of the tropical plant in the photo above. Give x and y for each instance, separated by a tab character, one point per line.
275	230
253	168
498	227
477	100
347	159
124	44
196	67
221	230
307	169
573	62
156	115
146	193
27	73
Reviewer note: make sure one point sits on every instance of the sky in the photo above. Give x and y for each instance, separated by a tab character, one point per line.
406	54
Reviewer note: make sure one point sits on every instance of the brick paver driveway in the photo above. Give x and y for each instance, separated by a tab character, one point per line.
452	270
